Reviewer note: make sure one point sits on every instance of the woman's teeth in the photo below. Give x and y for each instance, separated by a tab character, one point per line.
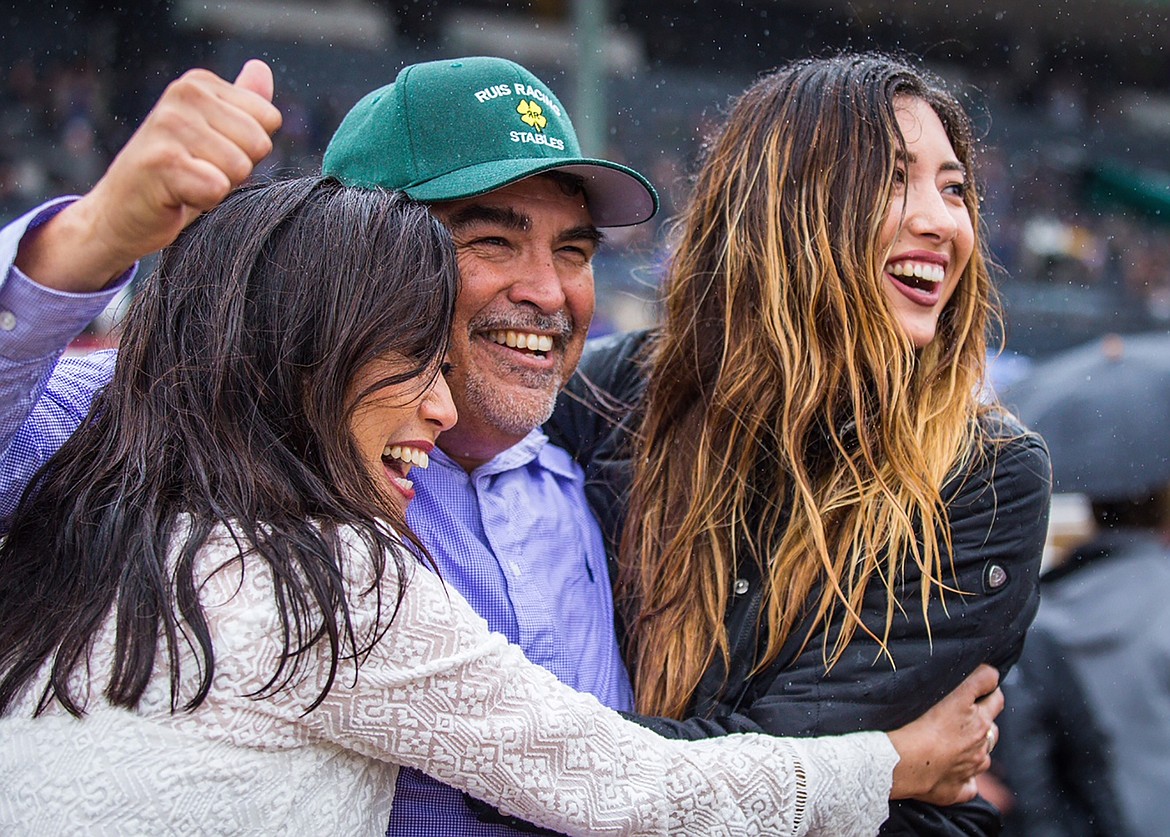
917	270
408	456
522	340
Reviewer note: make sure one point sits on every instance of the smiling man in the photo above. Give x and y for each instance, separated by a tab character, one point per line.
491	149
525	254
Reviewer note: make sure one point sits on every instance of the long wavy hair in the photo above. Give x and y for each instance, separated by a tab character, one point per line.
230	405
789	421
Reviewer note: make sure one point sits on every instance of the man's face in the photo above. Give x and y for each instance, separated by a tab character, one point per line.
525	261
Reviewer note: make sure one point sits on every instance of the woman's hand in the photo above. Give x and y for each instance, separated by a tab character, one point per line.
943	751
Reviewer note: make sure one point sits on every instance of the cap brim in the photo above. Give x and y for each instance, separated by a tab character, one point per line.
617	196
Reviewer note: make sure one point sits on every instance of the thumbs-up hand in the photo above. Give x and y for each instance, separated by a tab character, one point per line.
203	137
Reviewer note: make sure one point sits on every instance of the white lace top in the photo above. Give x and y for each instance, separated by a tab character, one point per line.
440	693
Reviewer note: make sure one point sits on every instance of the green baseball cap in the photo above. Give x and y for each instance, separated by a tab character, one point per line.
445	130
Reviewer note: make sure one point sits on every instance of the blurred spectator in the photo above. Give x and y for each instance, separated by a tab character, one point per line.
23	101
79	162
1051	757
1105	610
1065	105
77	92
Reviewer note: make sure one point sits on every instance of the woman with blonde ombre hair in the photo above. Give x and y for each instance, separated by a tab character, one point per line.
819	526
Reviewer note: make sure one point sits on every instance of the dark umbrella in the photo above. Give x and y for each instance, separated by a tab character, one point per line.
1104	410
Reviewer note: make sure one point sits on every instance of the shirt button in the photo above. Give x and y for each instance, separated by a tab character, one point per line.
7	320
741	586
515	568
996	576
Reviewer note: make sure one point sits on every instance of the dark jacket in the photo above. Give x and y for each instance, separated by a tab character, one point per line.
998	520
1052	754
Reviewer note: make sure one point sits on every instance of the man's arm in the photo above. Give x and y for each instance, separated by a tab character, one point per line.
202	138
36	325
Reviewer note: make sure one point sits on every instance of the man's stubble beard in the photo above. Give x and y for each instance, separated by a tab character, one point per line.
502	409
514	399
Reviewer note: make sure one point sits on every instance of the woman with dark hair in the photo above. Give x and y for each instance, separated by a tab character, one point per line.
819	526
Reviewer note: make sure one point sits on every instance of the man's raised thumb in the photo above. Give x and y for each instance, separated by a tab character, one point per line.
257	77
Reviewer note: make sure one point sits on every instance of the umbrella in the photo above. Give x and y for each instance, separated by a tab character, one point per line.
1104	410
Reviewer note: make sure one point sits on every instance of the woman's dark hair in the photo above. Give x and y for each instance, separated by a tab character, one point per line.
230	404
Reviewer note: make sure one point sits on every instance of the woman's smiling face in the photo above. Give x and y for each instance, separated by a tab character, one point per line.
395	427
928	230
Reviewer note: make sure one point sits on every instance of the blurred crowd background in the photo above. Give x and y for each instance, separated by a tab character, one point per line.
1073	98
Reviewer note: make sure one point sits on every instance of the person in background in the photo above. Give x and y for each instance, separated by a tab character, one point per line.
1052	772
819	526
1104	609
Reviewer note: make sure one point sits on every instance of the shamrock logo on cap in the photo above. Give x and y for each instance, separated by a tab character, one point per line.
532	114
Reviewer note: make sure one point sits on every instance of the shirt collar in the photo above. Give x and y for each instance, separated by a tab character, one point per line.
533	447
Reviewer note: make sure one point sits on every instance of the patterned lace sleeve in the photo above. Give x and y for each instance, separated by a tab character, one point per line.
442	694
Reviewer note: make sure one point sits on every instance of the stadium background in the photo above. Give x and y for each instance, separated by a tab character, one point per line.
1073	99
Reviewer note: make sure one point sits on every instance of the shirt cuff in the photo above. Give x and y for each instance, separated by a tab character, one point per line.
36	321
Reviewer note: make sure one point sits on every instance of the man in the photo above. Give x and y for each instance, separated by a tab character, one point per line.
1051	775
1104	609
492	149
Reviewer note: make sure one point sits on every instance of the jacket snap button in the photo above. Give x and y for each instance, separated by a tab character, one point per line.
741	586
996	576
